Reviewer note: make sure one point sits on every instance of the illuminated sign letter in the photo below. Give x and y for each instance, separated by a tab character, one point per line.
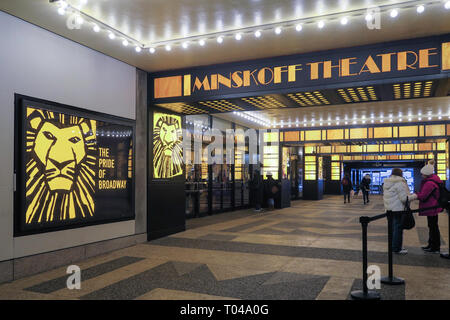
314	70
277	73
370	65
262	76
345	67
199	85
293	72
237	79
386	61
402	60
424	58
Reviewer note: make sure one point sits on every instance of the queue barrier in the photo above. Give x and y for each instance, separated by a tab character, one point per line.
365	293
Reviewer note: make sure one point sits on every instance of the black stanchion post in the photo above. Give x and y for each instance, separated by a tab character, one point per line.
365	293
447	255
391	279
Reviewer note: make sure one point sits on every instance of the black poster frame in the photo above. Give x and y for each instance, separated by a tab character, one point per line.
20	103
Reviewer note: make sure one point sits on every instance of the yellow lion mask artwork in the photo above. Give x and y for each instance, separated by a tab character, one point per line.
61	158
167	152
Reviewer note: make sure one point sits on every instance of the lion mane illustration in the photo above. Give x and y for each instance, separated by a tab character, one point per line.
167	154
60	171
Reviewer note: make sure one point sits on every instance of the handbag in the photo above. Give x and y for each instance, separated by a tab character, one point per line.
407	218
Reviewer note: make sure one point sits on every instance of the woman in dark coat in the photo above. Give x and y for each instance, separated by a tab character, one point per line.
347	187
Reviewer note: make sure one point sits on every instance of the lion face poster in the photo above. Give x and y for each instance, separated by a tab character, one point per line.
75	169
167	148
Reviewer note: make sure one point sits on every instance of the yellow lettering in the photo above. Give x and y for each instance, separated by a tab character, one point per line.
370	65
277	73
199	84
314	70
292	72
345	67
402	60
424	58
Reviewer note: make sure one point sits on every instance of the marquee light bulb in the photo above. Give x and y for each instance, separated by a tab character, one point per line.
447	5
112	36
258	34
219	39
125	43
96	28
168	48
79	20
394	13
344	21
185	45
278	30
152	50
420	9
238	36
138	49
321	24
369	17
201	42
299	27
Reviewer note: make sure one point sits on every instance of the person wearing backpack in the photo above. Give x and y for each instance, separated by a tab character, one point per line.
346	187
395	198
428	196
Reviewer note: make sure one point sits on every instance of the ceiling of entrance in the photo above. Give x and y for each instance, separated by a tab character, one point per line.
159	22
376	112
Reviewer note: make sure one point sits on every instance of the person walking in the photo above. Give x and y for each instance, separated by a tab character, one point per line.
395	197
257	190
365	188
428	197
347	187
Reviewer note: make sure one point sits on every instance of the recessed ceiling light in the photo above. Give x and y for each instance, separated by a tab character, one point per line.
344	21
125	42
96	28
112	36
168	47
298	27
185	45
151	50
201	42
321	24
420	8
257	33
238	36
138	49
394	13
219	39
278	30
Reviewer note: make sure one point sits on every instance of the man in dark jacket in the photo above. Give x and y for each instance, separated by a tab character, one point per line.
346	187
365	188
271	189
256	186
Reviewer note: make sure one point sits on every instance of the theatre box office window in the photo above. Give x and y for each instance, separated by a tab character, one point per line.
73	167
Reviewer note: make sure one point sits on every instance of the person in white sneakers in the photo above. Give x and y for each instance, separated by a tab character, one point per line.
395	196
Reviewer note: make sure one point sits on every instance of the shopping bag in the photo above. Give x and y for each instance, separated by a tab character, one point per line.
407	219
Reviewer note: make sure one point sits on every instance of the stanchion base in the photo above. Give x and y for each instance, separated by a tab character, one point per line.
392	281
360	295
445	255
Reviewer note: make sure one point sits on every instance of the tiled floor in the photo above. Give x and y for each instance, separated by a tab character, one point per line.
311	250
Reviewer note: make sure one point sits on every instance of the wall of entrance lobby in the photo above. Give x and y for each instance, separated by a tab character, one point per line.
316	116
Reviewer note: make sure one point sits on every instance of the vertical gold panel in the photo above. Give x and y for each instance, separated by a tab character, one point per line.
187	85
446	56
435	130
421	131
167	87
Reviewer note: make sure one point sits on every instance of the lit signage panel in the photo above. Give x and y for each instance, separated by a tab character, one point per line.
409	58
74	169
167	148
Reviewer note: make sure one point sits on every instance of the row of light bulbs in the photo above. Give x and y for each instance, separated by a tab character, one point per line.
253	118
362	120
63	7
